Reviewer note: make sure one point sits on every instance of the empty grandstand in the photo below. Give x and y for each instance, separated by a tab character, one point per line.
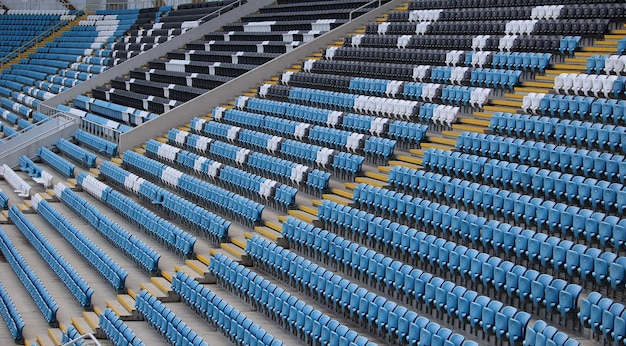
269	172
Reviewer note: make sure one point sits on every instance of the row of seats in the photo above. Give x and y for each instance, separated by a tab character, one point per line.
157	227
391	321
65	272
85	157
124	114
72	334
4	200
183	210
227	202
165	321
490	316
575	107
97	143
603	137
599	85
35	288
228	320
34	171
311	325
18	184
546	156
279	169
604	316
105	126
110	270
10	315
541	334
606	64
587	263
555	295
254	185
116	330
597	195
57	162
136	249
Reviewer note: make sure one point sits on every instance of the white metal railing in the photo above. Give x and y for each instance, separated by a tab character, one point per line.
358	9
221	9
83	337
104	132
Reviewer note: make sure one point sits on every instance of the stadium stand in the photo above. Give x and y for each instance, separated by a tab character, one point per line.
448	173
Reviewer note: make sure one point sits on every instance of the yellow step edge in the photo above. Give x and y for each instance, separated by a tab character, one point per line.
474	121
273	225
164	139
213	252
55	339
432	145
139	150
116	161
483	114
303	216
127	301
43	342
161	283
283	218
62	327
308	209
406	164
569	67
514	96
197	266
233	250
248	235
470	128
92	319
202	258
378	176
97	310
443	140
342	193
370	181
578	60
546	78
336	199
384	169
81	326
241	243
410	159
523	89
598	49
267	232
498	109
350	186
505	102
317	202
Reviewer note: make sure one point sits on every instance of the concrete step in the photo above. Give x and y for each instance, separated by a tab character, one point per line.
82	326
405	164
276	226
337	199
597	49
527	89
377	176
370	181
443	140
159	294
205	279
342	193
45	340
410	159
475	121
426	146
196	265
268	233
303	216
234	250
470	128
577	67
505	109
509	103
308	209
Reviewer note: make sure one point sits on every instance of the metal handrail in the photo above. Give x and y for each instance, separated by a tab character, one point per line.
350	18
219	11
83	337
